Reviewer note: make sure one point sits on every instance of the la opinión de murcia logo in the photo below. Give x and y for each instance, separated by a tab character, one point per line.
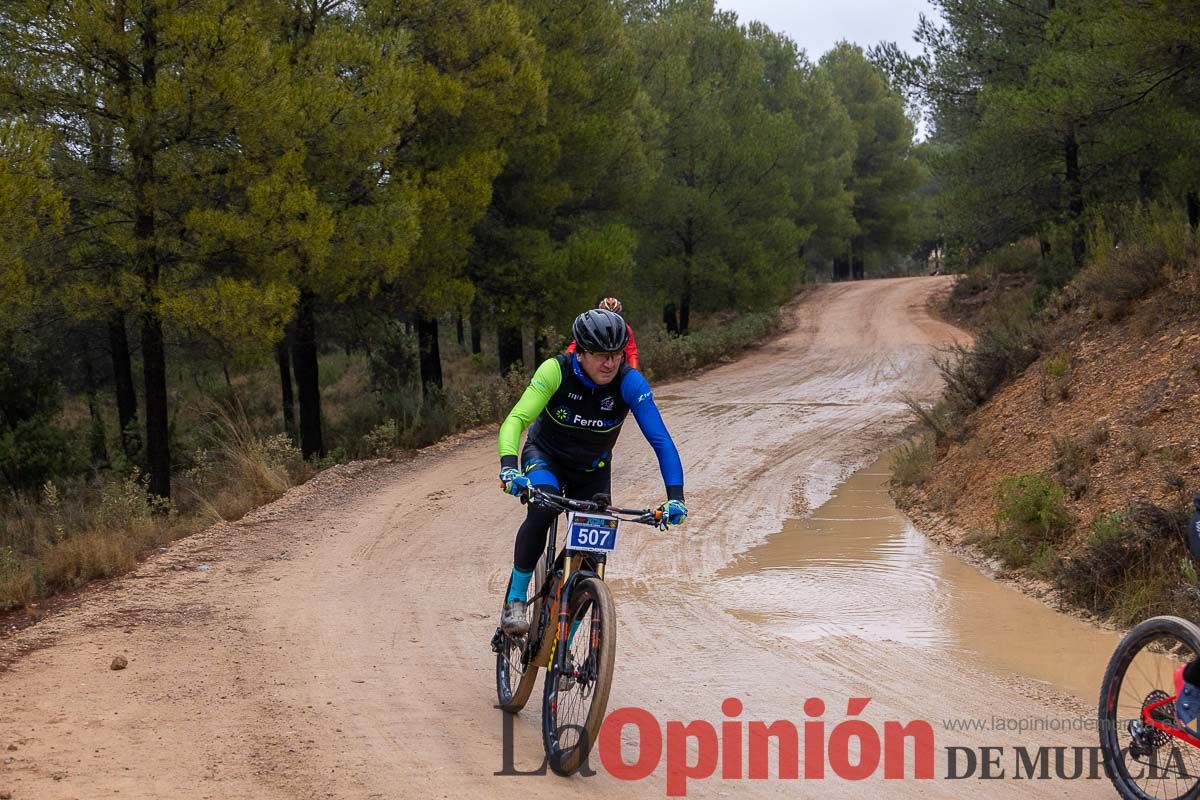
633	744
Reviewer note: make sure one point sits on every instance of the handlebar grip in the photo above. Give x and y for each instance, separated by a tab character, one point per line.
658	515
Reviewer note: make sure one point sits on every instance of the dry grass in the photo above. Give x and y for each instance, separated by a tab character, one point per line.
914	461
91	529
1133	565
1074	457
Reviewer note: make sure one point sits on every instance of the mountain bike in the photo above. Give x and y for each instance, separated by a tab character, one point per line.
1147	754
571	604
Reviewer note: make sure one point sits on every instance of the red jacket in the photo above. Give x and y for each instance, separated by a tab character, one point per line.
631	354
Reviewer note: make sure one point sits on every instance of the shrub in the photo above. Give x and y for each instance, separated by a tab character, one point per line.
394	362
1171	454
382	439
999	270
1011	340
941	419
1018	258
16	581
486	401
32	452
1074	457
913	463
1056	377
664	355
1141	442
1129	566
126	500
1031	514
971	285
1138	257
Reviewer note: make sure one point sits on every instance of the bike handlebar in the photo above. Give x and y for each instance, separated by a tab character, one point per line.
644	516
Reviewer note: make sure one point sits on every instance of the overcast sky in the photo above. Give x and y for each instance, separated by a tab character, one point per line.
818	25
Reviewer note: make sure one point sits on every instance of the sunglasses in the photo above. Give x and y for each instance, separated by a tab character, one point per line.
606	356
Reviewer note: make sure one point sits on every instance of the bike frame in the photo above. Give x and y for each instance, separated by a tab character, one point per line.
563	571
1173	732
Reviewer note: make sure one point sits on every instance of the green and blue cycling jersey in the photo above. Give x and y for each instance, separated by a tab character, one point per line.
575	423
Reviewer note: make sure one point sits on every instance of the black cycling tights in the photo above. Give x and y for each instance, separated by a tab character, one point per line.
531	536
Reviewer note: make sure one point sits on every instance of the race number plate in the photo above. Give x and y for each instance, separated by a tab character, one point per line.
593	532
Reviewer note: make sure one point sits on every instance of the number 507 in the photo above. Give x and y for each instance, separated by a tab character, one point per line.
594	537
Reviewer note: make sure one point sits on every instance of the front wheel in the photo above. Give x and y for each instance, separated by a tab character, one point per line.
1144	762
576	688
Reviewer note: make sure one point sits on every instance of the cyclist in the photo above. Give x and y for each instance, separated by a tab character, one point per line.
631	352
576	403
1187	676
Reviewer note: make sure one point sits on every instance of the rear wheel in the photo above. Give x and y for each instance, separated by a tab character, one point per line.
575	697
1144	762
515	676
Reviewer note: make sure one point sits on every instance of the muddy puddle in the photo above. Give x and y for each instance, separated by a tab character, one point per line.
858	568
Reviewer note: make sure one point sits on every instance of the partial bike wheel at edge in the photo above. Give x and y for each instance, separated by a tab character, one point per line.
514	676
1144	762
574	700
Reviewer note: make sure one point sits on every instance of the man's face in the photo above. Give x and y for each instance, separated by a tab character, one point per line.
601	367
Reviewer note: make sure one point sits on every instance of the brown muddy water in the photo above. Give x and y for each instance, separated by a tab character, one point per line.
858	568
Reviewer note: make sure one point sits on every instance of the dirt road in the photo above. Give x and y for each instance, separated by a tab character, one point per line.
335	644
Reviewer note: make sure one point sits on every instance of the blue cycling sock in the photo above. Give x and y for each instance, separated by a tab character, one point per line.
520	585
575	623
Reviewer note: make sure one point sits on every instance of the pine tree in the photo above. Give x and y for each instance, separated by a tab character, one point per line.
721	220
556	233
142	98
31	208
885	173
323	212
477	74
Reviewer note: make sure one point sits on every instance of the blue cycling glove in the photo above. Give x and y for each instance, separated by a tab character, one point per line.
674	512
514	482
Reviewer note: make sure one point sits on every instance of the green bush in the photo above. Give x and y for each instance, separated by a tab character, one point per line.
1137	256
487	400
1031	515
126	500
1129	566
394	362
998	270
1018	258
1056	377
1056	263
32	452
381	439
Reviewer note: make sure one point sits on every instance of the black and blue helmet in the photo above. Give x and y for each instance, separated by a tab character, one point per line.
600	331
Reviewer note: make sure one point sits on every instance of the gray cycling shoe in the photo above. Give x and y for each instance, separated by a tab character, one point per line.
513	620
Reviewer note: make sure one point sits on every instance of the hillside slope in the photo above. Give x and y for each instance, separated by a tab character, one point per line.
1109	412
